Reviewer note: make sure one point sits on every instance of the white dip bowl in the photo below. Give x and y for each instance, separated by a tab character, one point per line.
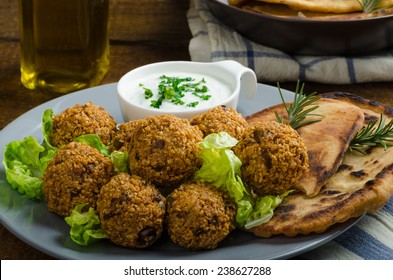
224	80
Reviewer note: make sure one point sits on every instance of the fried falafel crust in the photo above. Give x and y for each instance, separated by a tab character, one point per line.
123	135
74	176
164	150
131	211
273	157
199	216
80	120
220	119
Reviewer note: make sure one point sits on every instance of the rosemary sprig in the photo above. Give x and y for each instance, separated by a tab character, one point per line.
369	6
296	111
376	133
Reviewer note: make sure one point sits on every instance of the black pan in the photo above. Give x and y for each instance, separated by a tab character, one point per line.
308	37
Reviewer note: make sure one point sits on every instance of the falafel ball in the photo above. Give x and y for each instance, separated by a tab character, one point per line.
273	157
131	210
74	176
164	150
218	119
123	135
80	120
199	216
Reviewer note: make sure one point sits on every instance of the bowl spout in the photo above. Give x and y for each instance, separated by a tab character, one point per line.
244	75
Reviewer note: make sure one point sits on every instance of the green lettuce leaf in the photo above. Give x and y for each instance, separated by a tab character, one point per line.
24	166
264	209
94	141
85	226
47	124
120	161
221	167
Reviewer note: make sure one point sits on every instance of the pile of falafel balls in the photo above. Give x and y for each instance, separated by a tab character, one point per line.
158	192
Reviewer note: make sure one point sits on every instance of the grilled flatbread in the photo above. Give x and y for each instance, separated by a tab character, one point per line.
313	9
285	11
362	184
326	6
326	140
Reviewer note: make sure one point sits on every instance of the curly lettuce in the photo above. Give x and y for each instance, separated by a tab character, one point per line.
47	124
120	161
24	166
93	140
85	225
264	209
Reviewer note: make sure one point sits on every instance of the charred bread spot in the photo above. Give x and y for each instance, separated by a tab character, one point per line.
318	168
389	110
317	214
358	174
360	101
370	183
332	195
370	118
282	209
385	171
343	167
346	96
342	201
374	103
285	212
330	192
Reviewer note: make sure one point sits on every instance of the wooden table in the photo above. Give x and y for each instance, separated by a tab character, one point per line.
141	32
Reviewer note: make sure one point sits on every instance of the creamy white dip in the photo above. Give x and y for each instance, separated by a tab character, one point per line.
219	91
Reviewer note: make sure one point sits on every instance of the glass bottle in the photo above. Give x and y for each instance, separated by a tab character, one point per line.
64	43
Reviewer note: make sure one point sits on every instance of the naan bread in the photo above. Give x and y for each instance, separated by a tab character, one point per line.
326	140
285	11
362	184
326	6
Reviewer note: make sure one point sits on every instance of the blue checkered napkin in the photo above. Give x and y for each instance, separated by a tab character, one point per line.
213	41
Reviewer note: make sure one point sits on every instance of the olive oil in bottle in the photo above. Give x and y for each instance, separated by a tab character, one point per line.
64	44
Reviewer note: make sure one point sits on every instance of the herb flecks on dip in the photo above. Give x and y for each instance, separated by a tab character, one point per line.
170	91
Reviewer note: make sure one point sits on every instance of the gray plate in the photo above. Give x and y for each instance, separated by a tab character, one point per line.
310	37
31	222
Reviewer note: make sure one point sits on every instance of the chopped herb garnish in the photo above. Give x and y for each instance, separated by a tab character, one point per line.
201	95
157	103
148	93
173	89
193	104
